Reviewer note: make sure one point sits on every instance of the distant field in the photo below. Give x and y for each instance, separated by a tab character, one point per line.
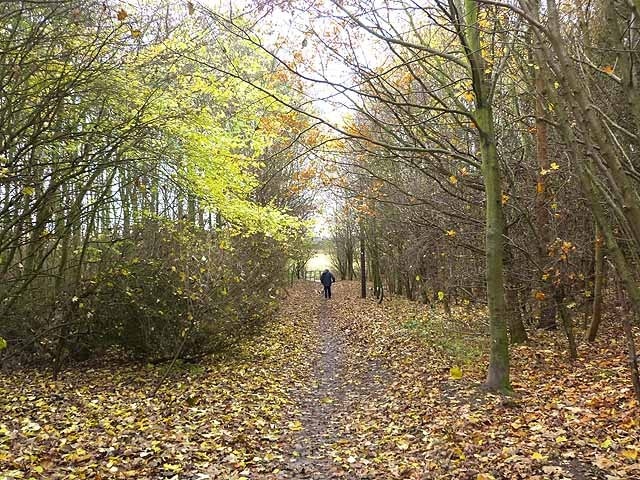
319	261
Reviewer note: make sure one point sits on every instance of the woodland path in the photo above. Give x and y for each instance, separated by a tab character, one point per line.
341	382
378	402
338	389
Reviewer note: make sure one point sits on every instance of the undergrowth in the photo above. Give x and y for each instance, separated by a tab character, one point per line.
455	336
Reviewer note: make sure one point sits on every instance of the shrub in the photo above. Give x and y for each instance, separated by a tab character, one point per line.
171	287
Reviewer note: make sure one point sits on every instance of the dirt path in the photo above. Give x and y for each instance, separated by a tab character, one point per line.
321	405
343	383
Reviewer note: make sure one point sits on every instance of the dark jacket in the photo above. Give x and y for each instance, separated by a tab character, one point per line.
327	278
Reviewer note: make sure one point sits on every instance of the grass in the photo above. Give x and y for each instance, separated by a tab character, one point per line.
455	337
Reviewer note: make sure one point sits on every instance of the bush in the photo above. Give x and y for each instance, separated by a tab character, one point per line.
171	287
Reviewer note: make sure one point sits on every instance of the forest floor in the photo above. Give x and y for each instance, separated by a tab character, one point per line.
344	388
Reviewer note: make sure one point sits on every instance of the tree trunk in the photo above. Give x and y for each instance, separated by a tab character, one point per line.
363	265
517	332
598	285
498	373
622	268
631	353
547	307
567	323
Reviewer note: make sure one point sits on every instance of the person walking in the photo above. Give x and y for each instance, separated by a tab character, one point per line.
327	279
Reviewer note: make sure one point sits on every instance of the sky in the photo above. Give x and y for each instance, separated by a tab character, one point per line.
295	25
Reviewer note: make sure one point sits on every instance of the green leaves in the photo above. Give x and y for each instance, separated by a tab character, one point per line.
216	137
3	344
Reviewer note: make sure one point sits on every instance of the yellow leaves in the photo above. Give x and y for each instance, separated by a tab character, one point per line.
516	425
402	445
295	426
540	296
352	128
453	180
567	247
313	137
556	85
505	198
459	453
608	69
468	96
135	33
451	233
485	476
554	167
365	209
295	188
280	76
3	344
248	395
79	455
441	295
250	398
607	443
305	175
172	467
540	187
28	191
122	14
405	80
483	22
30	427
377	184
561	439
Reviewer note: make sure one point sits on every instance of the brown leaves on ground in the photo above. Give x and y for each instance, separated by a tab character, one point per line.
374	392
225	419
565	421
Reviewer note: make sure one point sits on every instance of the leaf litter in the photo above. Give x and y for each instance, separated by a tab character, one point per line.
344	388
